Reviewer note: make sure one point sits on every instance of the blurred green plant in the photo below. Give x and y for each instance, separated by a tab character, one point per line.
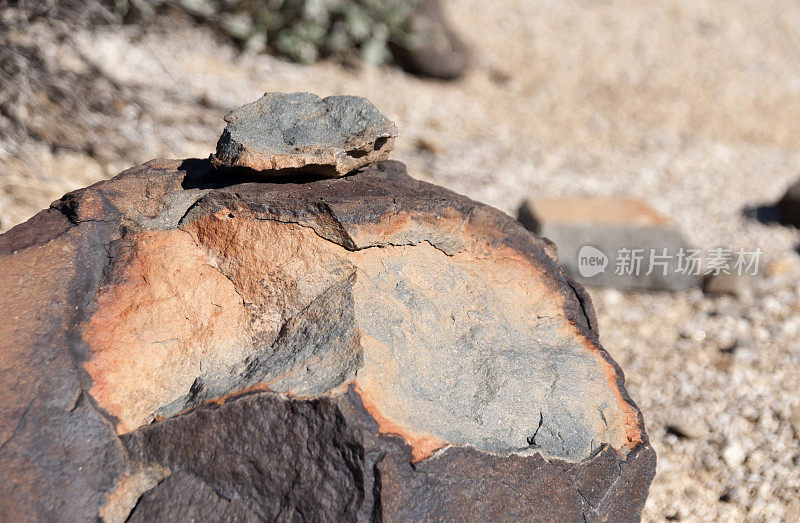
302	30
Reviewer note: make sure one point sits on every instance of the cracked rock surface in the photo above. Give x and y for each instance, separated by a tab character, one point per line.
283	133
180	342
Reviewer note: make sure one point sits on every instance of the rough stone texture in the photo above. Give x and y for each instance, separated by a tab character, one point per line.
282	133
181	344
610	116
610	225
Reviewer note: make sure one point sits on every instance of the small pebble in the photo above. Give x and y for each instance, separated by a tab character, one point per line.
734	455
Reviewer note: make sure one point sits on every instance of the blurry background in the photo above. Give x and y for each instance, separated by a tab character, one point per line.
693	107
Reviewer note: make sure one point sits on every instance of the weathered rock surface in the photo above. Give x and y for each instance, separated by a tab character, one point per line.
283	133
179	344
614	242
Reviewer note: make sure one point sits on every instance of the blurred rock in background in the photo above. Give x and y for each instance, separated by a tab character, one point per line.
613	242
789	206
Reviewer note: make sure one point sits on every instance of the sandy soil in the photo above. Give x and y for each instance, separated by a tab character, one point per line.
692	106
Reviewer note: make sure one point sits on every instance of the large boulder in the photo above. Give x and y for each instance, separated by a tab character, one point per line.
178	343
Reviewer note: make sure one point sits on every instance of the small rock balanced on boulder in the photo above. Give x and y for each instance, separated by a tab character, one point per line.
280	134
196	339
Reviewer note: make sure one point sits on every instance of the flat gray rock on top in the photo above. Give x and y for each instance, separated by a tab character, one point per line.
282	133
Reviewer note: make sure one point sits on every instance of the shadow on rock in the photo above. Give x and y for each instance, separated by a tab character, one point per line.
201	174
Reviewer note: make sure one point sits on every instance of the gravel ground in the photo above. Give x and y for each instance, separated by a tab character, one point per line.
692	106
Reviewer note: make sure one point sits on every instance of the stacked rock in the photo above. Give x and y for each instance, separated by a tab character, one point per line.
201	340
281	134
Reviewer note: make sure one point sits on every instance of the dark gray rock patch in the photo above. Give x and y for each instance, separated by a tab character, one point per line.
282	133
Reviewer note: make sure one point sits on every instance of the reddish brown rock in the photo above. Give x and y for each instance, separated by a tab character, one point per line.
180	344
